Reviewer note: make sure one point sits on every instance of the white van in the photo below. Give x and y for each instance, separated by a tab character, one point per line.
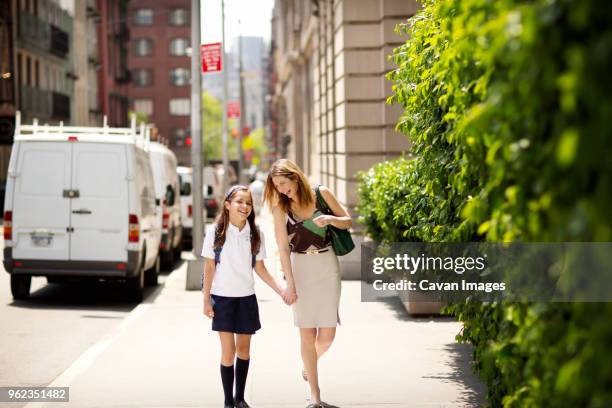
167	189
186	181
80	202
213	190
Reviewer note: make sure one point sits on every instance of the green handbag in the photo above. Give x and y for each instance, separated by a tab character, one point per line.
341	239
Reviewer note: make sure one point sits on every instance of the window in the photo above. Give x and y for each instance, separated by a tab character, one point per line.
144	106
28	71
143	17
36	74
19	69
178	46
180	106
142	47
178	17
47	77
179	76
142	77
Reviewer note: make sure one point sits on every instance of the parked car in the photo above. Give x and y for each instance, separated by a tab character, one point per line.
209	203
80	202
167	189
212	191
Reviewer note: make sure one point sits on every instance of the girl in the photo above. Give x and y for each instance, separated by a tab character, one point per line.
232	249
310	266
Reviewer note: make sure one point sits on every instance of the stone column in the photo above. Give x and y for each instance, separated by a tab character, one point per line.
363	133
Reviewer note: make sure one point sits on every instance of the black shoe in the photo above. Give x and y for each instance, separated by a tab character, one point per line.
228	405
241	404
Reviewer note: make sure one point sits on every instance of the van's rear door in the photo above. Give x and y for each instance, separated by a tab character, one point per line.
100	212
41	215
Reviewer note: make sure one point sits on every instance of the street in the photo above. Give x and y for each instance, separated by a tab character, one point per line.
43	335
162	353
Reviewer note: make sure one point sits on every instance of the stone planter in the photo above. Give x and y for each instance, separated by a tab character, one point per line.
350	264
419	303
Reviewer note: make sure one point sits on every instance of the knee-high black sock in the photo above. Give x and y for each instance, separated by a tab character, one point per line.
227	378
242	370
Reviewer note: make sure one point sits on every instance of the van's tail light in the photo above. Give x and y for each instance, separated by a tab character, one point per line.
8	225
212	203
189	211
134	229
165	219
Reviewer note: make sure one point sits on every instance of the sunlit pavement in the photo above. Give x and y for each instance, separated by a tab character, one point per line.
163	354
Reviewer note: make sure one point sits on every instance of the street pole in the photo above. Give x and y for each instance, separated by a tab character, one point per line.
195	266
224	74
242	113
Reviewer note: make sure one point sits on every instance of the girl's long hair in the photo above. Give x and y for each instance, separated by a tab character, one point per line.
222	221
287	168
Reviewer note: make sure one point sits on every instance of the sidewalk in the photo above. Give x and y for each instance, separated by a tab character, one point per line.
165	355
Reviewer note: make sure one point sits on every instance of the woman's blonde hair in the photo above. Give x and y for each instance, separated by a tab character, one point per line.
287	168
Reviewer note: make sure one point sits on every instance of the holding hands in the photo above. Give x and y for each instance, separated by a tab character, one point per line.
289	295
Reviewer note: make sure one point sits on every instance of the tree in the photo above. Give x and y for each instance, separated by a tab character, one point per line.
212	130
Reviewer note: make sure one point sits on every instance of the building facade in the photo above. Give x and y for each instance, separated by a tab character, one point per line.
160	67
45	72
329	103
112	55
253	74
254	56
63	61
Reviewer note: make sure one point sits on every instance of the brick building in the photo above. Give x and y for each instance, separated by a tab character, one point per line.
113	75
160	35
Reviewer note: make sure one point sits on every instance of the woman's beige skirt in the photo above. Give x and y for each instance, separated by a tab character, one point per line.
317	283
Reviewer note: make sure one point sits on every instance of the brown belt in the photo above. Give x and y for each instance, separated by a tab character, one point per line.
313	251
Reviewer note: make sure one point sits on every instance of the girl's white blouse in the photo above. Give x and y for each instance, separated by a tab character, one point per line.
234	273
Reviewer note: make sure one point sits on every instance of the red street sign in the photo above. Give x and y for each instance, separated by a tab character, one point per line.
211	57
233	109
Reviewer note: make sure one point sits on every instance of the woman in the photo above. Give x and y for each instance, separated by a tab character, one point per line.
310	266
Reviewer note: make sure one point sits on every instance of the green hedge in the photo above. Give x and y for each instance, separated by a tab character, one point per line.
508	105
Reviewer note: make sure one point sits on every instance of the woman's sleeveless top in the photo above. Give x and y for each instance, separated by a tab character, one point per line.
305	234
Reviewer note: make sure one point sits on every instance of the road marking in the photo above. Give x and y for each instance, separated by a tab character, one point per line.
88	358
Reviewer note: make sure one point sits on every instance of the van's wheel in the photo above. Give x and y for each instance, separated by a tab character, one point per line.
152	273
135	285
20	286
